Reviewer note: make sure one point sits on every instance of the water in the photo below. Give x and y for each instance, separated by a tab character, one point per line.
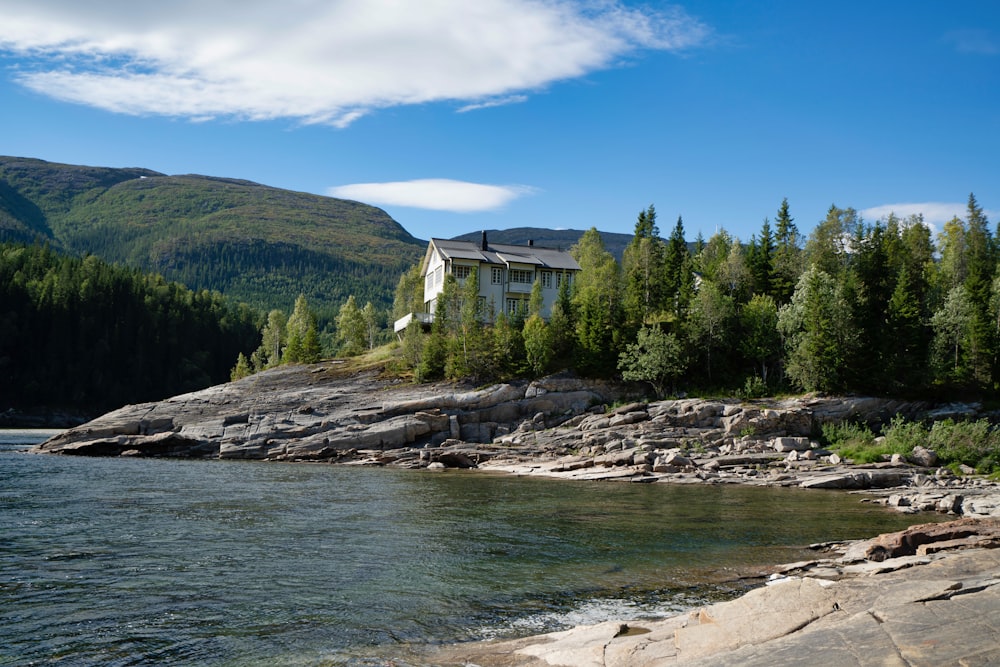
144	561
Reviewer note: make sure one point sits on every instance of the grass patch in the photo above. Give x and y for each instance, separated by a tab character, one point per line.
975	444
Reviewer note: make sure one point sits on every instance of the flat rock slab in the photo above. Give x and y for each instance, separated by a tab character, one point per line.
945	611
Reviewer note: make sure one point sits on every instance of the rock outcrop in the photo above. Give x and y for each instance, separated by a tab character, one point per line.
559	427
935	607
310	413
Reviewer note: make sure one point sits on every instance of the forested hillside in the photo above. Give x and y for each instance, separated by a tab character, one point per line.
883	307
253	243
84	335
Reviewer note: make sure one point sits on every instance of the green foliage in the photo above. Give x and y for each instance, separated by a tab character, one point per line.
303	341
975	444
82	333
759	339
253	243
656	357
537	344
853	441
818	333
754	387
242	368
352	330
596	305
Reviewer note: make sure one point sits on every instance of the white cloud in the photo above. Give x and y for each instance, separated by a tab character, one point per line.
437	194
320	61
935	213
513	99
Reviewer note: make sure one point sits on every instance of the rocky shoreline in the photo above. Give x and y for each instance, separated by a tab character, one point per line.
904	599
560	427
925	596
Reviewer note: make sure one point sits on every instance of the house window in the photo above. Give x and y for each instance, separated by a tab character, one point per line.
521	276
438	275
497	275
547	279
461	271
515	306
564	277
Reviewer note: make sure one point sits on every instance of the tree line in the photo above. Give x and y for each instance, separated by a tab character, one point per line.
81	333
884	307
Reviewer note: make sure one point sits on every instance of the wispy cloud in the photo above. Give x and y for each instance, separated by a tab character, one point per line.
935	214
320	61
513	99
974	41
437	194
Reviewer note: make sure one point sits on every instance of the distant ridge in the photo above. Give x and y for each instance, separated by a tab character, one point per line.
251	242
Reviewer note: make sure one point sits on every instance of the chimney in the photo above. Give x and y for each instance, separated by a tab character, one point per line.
484	241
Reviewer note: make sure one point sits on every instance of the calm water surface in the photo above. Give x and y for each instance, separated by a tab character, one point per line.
141	561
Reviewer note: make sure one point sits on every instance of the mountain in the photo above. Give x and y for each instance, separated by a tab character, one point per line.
251	242
550	238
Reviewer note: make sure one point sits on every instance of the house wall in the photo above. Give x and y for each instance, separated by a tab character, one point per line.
502	288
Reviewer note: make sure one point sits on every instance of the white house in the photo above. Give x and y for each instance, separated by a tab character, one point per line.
506	274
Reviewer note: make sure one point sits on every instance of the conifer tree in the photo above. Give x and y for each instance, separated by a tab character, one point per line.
677	269
642	266
787	255
905	334
818	332
760	259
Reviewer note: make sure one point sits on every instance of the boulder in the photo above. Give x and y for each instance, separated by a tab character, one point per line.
923	457
790	444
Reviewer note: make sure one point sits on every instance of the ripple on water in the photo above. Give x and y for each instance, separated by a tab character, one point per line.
141	561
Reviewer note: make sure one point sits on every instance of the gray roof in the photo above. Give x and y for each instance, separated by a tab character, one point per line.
503	254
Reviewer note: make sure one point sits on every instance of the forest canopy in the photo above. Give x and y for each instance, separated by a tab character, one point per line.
80	333
884	307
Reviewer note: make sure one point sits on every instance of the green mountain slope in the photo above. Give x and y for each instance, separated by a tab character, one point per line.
252	242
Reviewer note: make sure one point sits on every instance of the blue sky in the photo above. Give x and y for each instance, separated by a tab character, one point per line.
457	116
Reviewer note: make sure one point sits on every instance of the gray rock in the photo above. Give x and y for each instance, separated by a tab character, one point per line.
923	457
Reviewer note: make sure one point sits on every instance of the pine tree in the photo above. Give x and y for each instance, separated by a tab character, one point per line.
677	267
818	332
642	265
905	333
760	259
787	255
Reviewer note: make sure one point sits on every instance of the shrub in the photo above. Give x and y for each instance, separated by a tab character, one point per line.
975	444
